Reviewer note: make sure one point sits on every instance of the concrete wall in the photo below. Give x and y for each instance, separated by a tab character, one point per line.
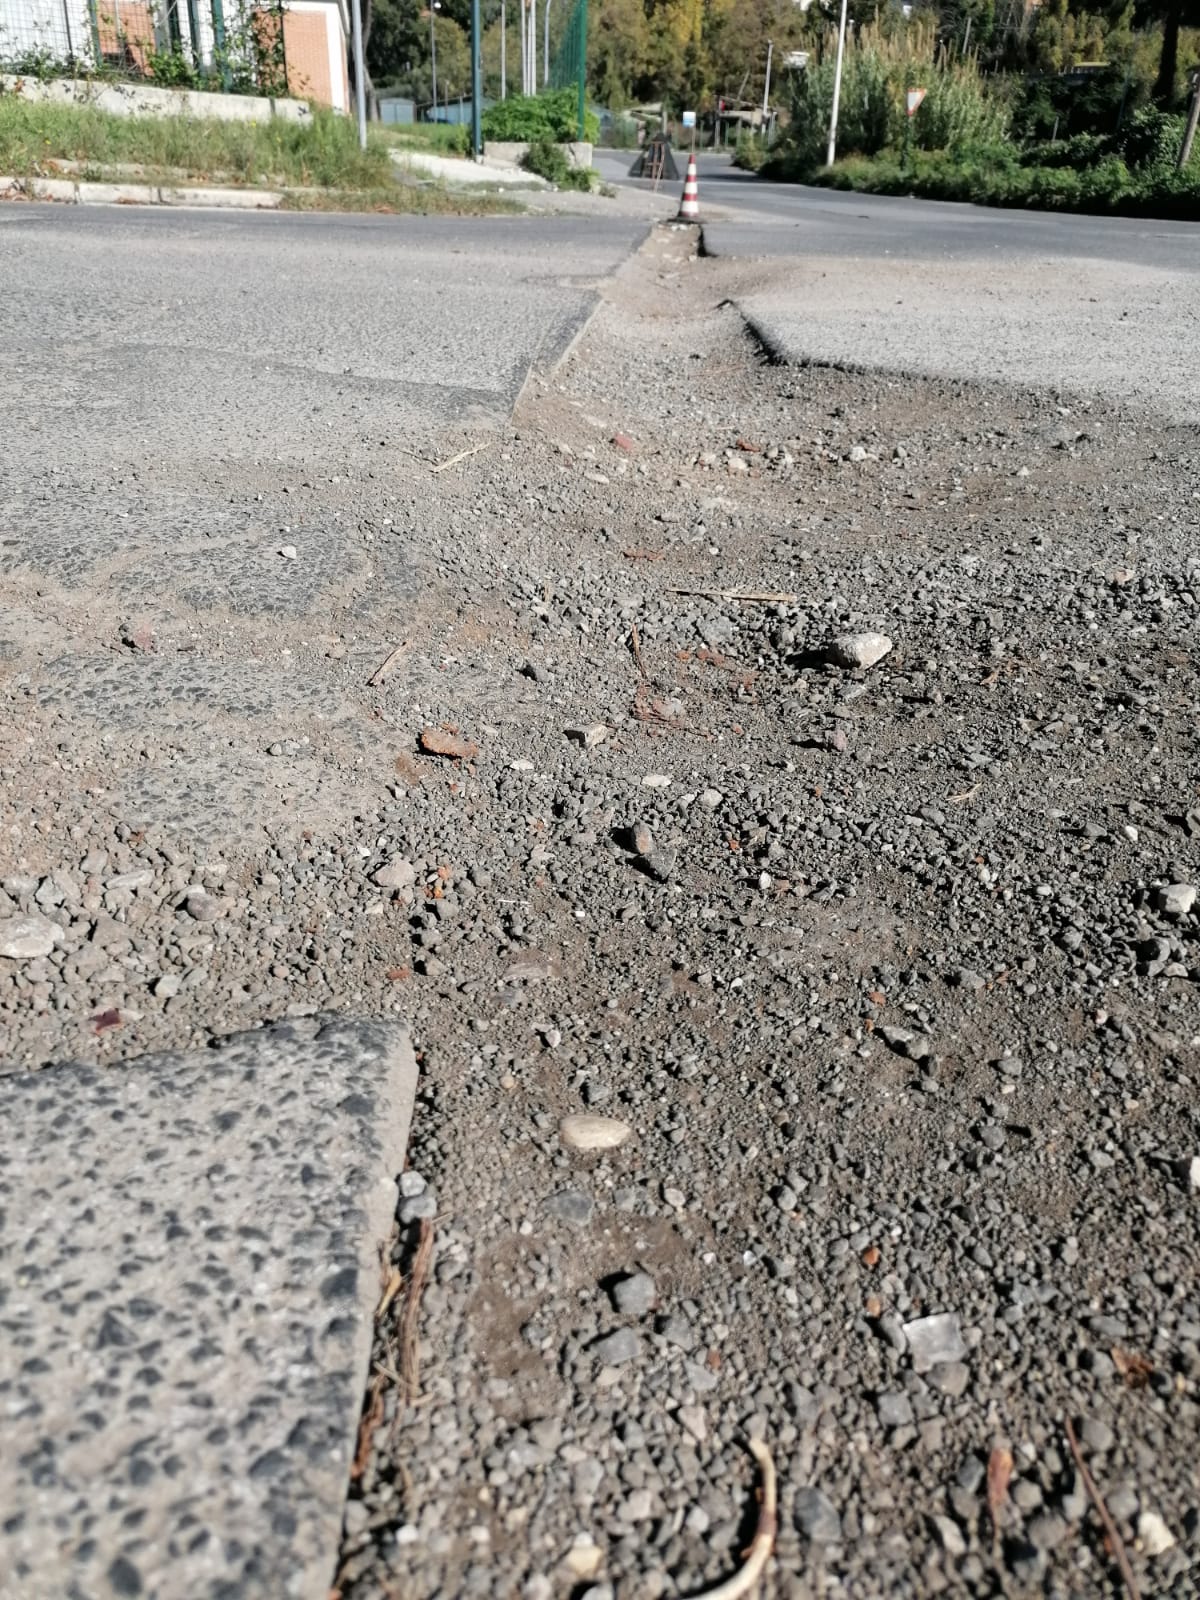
509	154
143	99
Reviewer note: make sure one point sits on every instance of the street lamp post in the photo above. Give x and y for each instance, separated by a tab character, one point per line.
837	89
503	51
546	46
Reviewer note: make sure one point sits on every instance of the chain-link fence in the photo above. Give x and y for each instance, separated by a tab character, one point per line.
200	44
569	68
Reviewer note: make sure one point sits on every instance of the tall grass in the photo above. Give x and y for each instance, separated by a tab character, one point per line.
321	152
960	108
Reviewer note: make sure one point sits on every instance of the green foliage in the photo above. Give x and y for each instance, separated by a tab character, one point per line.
549	160
750	153
173	69
321	152
960	106
553	116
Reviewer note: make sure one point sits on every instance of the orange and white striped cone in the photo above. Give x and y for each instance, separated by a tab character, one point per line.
689	206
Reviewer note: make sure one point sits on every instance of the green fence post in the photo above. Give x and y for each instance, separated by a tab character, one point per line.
582	18
219	50
94	19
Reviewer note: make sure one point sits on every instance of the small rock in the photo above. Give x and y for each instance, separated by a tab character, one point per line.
288	552
895	1409
951	1377
411	1183
570	1205
584	1557
590	736
585	1131
656	780
935	1339
398	873
1153	1534
202	907
416	1207
635	1294
28	938
617	1348
1177	899
949	1536
643	839
816	1517
859	650
1097	1435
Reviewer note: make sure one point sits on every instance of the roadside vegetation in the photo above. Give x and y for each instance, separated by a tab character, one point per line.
1091	141
318	162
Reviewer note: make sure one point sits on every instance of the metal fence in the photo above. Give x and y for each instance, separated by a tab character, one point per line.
201	44
569	68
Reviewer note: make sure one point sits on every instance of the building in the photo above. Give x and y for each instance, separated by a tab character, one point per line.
292	47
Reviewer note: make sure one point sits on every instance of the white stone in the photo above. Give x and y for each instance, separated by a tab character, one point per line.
28	938
860	649
1193	1172
711	799
584	1557
656	780
934	1339
288	552
1153	1534
398	873
590	736
586	1131
1177	899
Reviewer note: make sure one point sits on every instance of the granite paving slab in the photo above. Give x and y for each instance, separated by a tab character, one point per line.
188	1271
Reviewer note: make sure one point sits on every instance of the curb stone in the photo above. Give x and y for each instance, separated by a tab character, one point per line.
190	1248
71	192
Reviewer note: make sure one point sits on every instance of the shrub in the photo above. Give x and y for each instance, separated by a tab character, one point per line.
549	161
749	153
552	116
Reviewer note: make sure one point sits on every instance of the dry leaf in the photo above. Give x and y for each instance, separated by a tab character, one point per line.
448	742
999	1473
1135	1369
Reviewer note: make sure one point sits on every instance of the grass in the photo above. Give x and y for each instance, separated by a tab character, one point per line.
400	199
319	153
439	138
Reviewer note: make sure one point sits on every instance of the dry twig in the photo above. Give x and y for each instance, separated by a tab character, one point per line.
744	1580
410	1358
766	597
1116	1544
461	456
386	665
635	646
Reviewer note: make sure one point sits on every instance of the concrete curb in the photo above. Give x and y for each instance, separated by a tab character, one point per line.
70	191
190	1248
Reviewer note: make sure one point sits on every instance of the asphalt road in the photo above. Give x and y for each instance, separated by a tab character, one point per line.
1076	305
747	216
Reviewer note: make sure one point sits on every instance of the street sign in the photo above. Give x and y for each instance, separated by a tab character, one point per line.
915	96
689	119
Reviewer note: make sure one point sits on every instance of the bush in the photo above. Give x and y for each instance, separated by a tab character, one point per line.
549	161
749	153
553	116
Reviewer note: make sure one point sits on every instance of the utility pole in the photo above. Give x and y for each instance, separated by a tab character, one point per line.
1189	133
503	51
360	87
546	45
767	86
837	88
433	6
476	82
533	53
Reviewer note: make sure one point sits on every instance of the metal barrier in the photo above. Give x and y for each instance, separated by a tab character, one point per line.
193	44
569	67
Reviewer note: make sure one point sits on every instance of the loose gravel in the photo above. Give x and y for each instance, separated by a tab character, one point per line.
883	961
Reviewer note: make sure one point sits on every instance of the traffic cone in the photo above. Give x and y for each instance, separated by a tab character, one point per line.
689	206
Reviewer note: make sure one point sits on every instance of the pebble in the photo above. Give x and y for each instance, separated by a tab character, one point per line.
635	1294
202	907
656	780
816	1517
1177	899
932	1340
584	1130
895	1409
570	1205
398	873
288	552
28	938
950	1536
590	736
617	1348
861	650
1153	1534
